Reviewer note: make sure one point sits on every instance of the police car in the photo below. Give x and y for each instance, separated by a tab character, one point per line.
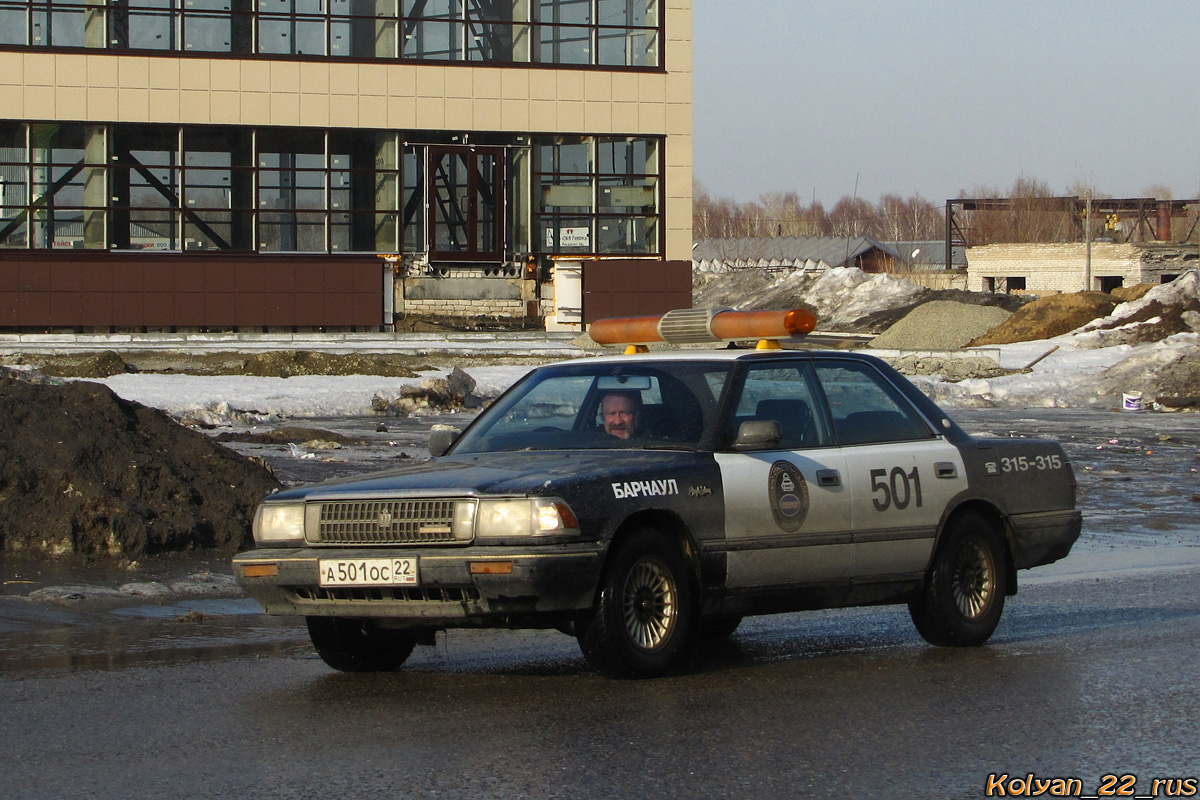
644	503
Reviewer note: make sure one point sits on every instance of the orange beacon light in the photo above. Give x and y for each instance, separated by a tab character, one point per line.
691	325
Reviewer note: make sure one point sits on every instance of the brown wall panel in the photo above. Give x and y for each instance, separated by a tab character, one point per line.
635	287
45	289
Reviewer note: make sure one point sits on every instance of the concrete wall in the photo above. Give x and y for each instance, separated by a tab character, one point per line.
1049	268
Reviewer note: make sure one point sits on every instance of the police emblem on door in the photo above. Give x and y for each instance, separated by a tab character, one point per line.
788	493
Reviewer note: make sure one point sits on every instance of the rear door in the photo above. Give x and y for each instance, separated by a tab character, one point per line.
900	473
787	508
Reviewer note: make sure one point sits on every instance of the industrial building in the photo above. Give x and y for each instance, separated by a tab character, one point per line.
342	164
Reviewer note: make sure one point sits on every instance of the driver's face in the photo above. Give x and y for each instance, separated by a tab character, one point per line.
620	415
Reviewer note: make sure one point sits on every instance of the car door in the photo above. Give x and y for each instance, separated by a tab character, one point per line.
900	473
787	508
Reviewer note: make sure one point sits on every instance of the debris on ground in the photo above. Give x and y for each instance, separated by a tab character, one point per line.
84	471
951	369
430	396
313	438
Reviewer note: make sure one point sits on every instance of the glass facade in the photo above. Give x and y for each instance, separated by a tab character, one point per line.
168	188
600	33
597	194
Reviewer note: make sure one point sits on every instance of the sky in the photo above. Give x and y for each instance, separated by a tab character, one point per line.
833	98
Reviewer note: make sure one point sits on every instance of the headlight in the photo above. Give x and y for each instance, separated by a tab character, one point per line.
277	523
527	516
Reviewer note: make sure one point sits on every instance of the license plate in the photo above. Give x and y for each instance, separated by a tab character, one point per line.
368	572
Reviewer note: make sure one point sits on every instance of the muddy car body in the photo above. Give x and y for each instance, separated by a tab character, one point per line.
756	482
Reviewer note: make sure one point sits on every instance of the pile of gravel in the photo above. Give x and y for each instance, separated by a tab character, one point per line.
940	325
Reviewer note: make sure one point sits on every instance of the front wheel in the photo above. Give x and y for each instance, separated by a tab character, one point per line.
642	619
359	645
963	597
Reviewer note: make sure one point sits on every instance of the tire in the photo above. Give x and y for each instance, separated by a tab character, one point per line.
643	616
359	645
963	597
714	628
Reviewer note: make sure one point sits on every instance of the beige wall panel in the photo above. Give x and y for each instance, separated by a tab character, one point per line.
514	115
164	73
70	102
102	71
38	69
543	84
133	72
625	118
401	111
487	83
285	77
256	76
225	108
459	82
315	79
194	107
431	112
200	75
625	87
164	105
372	79
598	117
514	84
101	104
402	81
133	105
571	117
285	109
652	118
340	79
70	69
489	115
256	108
13	99
571	85
372	111
317	109
460	114
543	116
431	82
12	69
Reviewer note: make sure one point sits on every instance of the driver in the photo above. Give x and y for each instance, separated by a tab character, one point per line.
620	412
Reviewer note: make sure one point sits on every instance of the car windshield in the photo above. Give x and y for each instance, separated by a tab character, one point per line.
602	406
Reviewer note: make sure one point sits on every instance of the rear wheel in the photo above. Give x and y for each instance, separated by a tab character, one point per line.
643	615
359	645
963	597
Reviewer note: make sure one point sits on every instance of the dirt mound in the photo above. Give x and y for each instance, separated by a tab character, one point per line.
286	363
939	325
89	365
1048	317
83	471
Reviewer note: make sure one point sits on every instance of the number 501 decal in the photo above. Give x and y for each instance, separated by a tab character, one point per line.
899	488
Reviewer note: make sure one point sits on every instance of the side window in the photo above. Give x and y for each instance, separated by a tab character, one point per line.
866	408
785	393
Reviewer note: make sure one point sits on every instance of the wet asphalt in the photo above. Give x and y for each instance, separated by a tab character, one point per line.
1092	673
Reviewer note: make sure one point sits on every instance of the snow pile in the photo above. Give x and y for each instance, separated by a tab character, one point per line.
1163	311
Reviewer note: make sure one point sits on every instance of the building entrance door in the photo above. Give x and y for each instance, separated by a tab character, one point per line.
466	209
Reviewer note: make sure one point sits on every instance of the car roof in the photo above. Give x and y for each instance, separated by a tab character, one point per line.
720	354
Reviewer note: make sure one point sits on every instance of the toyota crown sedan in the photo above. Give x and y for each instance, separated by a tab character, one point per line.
646	503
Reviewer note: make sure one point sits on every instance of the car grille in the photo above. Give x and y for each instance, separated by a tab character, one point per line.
385	594
386	522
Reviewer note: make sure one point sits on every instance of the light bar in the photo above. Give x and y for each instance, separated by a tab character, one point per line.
691	325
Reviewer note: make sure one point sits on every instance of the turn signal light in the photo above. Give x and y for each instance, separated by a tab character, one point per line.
491	567
692	325
260	570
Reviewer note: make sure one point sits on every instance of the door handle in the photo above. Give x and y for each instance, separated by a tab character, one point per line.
945	469
829	477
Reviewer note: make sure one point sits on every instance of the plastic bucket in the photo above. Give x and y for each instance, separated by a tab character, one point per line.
1131	401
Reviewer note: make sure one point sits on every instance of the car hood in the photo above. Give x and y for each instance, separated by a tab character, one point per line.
537	472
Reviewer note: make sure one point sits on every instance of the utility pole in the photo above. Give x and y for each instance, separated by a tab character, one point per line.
1087	237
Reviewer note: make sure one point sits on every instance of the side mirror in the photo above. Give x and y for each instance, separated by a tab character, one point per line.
441	440
758	434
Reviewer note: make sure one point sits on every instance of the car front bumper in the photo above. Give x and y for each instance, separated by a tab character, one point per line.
469	587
